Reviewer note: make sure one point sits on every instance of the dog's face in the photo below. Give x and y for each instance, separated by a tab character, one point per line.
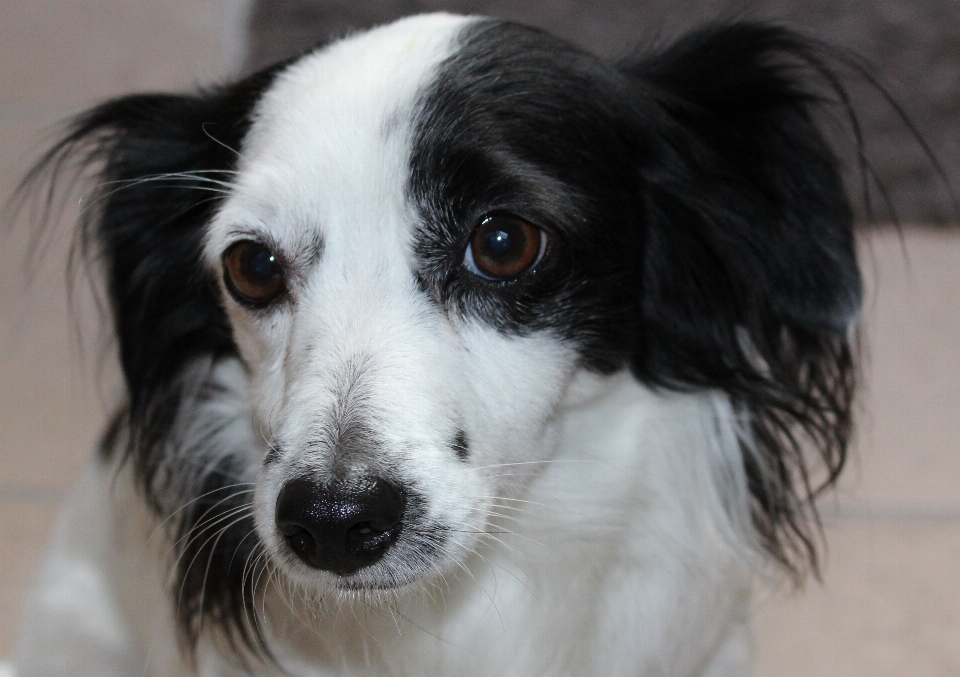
418	238
385	391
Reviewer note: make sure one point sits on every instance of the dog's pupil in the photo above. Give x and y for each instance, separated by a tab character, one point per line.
503	242
498	242
262	264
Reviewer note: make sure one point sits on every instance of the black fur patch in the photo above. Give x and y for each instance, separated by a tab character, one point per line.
700	234
460	445
505	129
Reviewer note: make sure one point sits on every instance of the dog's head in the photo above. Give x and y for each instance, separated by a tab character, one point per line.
356	280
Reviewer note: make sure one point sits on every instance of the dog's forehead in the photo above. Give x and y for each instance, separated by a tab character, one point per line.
331	136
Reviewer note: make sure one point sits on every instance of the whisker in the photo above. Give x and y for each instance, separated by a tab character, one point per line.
217	141
224	188
217	534
545	461
255	563
202	525
514	500
233	516
189	503
253	625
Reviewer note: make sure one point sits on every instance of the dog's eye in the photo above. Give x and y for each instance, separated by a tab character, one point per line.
253	273
504	247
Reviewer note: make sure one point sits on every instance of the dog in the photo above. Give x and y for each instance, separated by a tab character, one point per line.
452	349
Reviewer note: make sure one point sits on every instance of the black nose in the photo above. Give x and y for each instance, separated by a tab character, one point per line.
341	527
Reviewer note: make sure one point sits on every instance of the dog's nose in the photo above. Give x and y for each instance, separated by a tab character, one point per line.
341	527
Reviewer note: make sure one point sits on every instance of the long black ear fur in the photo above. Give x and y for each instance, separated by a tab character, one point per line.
749	275
163	160
161	164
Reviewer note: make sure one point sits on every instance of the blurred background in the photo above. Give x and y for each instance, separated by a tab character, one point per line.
889	603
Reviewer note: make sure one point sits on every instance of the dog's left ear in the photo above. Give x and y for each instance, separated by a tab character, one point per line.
162	164
749	280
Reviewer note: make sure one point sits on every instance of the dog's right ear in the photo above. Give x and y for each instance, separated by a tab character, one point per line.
161	164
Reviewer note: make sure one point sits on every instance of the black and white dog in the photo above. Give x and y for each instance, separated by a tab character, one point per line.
454	350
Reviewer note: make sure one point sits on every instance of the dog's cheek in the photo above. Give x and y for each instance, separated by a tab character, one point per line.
513	387
262	344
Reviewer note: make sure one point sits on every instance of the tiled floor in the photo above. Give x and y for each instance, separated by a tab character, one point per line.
890	601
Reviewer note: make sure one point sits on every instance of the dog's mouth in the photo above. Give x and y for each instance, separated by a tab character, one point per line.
371	586
404	560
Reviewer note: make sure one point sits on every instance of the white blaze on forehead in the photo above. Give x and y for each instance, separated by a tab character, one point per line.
329	146
327	161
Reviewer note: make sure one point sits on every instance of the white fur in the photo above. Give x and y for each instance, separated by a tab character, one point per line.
602	528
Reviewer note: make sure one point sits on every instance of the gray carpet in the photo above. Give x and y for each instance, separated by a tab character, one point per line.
914	46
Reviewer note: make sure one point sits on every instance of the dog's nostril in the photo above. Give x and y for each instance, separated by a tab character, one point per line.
300	540
341	527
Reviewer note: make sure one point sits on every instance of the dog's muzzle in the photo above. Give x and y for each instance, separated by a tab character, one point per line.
340	527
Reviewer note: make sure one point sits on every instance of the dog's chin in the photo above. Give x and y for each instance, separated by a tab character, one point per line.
367	584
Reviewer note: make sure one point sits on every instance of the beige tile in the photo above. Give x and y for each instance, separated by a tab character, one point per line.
25	528
889	607
55	395
908	455
51	416
54	392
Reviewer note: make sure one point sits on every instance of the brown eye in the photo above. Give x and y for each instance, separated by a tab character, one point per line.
504	247
253	273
